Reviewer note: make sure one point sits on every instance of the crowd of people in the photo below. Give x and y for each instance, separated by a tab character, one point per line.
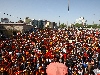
30	53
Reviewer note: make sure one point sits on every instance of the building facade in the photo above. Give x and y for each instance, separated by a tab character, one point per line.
4	20
34	23
47	23
40	24
10	28
43	24
27	20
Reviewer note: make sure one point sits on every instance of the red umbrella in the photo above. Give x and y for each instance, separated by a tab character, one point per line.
56	68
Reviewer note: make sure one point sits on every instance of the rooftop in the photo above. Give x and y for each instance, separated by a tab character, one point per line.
12	23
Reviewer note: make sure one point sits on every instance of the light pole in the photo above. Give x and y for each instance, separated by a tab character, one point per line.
74	25
59	20
99	21
93	21
67	24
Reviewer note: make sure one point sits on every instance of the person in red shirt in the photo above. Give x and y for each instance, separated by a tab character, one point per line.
85	56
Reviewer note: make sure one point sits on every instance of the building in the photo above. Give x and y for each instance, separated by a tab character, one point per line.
43	24
20	21
27	20
4	20
47	23
81	20
34	23
53	25
10	29
40	24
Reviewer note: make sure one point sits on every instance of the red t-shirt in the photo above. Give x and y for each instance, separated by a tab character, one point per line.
85	55
64	56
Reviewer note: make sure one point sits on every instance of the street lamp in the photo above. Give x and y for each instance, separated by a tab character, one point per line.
93	21
99	21
59	20
74	25
67	24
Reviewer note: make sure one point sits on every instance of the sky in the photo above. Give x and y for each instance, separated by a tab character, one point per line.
51	10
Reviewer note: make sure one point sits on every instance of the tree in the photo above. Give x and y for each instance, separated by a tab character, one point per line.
88	26
94	26
78	25
62	25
